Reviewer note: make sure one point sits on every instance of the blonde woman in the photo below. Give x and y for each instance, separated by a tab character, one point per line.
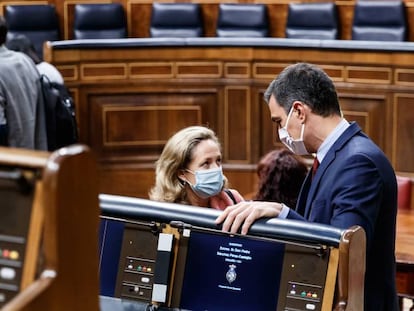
189	171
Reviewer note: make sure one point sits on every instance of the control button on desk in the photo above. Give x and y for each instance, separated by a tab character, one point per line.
7	273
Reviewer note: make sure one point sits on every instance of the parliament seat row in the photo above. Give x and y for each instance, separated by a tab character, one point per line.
373	20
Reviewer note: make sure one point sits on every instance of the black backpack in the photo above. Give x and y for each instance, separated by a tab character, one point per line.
61	125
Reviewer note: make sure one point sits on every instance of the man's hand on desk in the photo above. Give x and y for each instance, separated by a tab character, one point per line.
244	214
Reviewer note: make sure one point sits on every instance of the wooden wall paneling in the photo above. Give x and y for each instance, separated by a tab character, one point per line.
277	19
256	124
410	19
267	70
139	18
106	71
404	77
69	72
346	16
267	138
146	70
210	17
129	180
133	122
403	132
243	180
369	111
370	75
192	69
237	70
237	109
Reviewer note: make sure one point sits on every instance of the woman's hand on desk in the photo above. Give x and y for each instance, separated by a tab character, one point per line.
244	214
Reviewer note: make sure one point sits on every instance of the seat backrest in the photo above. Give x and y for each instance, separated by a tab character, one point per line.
404	192
312	21
99	21
379	21
242	20
182	20
37	22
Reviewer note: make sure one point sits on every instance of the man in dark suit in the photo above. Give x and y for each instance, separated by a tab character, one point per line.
354	184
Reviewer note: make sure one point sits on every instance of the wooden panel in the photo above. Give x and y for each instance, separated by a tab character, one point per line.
336	73
118	122
127	180
409	4
403	133
241	179
237	70
139	16
267	70
405	282
369	74
137	125
151	70
199	69
237	115
103	71
404	76
69	72
268	137
368	111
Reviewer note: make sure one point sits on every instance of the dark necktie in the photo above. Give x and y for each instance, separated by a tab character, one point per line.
315	166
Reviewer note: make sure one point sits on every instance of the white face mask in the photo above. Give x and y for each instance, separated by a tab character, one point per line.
208	182
295	145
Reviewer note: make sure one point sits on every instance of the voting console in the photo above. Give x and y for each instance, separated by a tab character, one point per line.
48	230
171	256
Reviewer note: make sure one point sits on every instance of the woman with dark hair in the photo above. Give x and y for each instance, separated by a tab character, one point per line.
281	174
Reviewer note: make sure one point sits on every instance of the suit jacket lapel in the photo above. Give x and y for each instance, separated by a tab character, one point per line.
301	204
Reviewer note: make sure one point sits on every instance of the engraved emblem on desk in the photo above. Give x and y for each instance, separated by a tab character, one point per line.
231	274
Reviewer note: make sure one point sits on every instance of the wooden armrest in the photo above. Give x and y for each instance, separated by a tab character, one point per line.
32	292
351	270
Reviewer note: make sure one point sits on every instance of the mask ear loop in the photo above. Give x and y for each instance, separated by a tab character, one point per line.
288	117
302	131
183	182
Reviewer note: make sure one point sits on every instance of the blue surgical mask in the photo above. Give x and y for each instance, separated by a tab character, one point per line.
297	146
208	182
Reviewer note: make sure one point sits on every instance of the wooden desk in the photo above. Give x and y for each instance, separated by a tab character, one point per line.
404	250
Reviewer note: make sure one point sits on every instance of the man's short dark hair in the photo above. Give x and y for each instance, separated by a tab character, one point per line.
307	83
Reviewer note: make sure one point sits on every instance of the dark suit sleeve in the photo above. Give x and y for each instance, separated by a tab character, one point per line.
294	215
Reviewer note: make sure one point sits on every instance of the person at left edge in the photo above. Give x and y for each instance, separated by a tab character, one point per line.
189	171
22	111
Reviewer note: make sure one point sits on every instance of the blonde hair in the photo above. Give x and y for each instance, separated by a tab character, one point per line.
176	155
